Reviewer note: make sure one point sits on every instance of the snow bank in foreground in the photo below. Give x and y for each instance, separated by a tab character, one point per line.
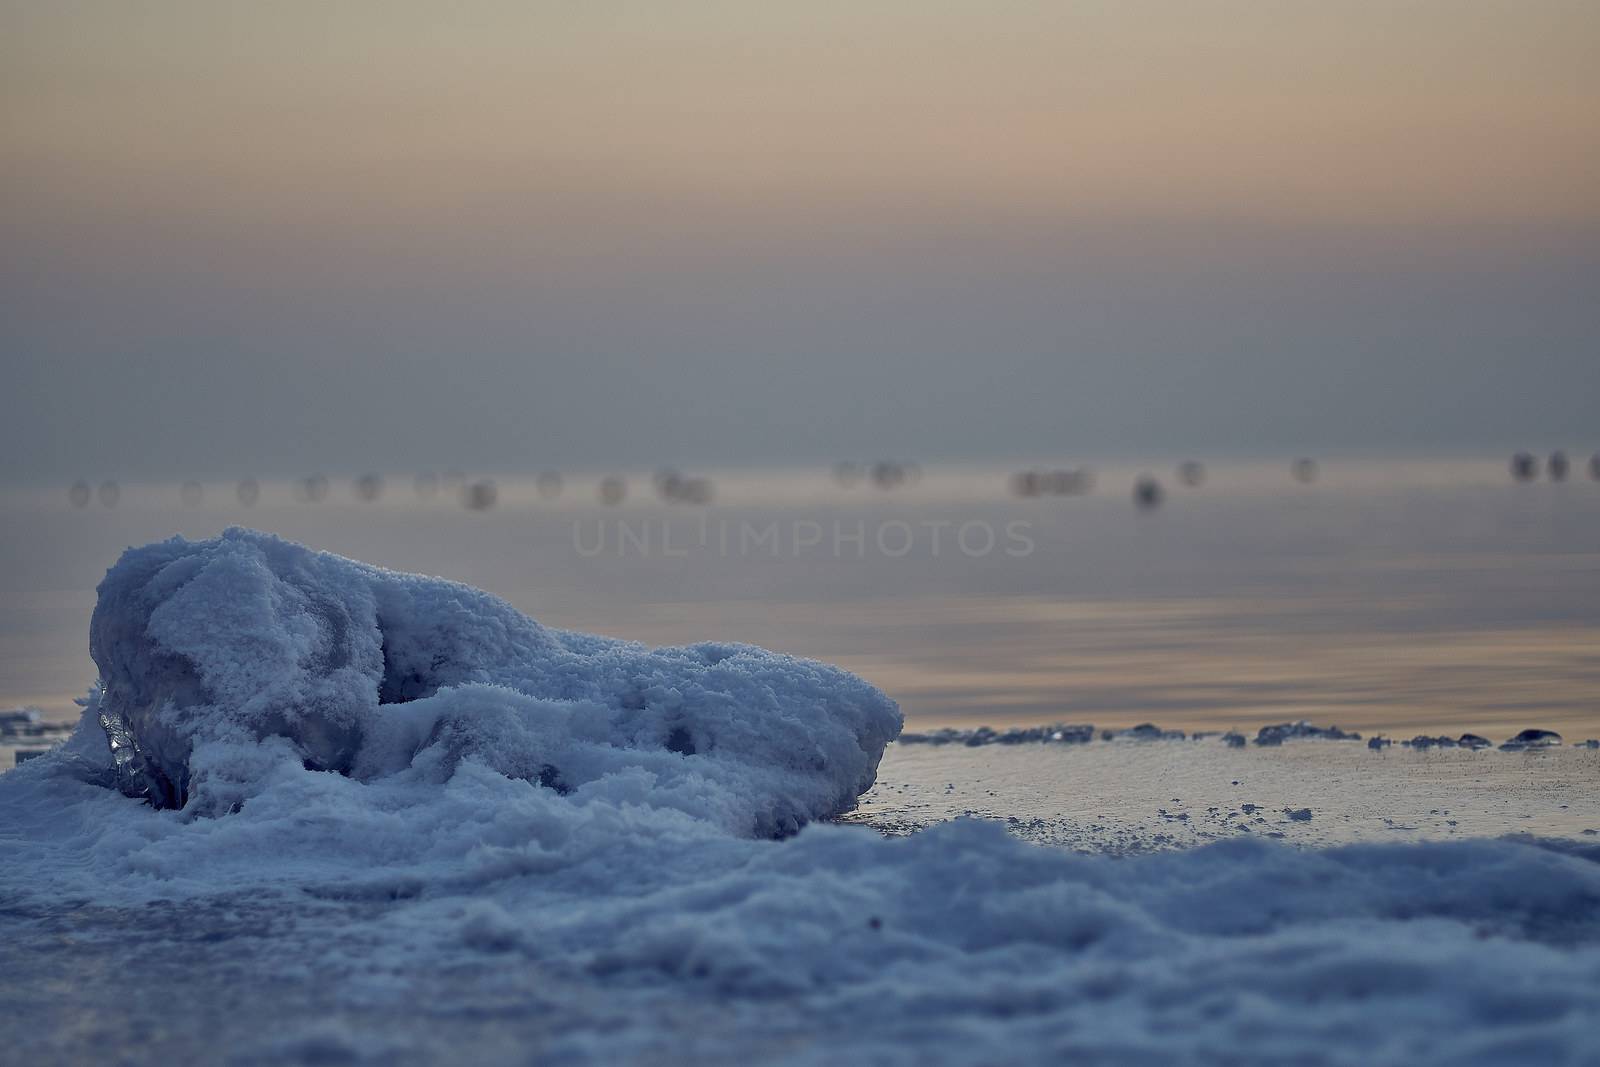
206	649
456	901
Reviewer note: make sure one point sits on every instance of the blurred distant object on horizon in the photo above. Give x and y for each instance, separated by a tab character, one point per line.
480	495
885	474
312	489
892	474
675	488
1525	466
1069	482
548	485
1147	493
612	489
368	487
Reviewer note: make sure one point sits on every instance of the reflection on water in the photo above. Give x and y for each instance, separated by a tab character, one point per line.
1387	595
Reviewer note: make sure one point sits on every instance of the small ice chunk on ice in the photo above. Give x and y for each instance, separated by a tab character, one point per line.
1278	733
1532	738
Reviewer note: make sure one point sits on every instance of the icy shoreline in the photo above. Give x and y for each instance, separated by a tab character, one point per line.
1132	798
1274	734
353	879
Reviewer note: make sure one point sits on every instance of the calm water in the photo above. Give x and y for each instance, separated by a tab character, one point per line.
1402	596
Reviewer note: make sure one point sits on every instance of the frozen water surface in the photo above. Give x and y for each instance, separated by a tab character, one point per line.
1136	796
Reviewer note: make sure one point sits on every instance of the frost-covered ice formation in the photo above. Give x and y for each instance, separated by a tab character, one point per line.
417	827
1472	741
1278	733
1532	738
1275	734
1054	733
207	649
1145	731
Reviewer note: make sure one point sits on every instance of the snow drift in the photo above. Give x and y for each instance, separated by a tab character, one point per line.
417	826
207	646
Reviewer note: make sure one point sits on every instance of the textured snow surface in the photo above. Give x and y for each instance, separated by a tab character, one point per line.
352	879
207	648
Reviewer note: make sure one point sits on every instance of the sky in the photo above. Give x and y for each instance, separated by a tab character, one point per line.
271	238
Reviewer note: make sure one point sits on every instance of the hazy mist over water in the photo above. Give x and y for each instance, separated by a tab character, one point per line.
272	239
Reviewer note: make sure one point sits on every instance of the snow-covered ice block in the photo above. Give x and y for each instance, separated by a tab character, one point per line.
1532	738
208	648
